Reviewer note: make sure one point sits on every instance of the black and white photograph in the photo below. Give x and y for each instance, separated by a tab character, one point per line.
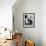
29	20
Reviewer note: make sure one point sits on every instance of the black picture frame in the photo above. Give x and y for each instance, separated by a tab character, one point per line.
28	20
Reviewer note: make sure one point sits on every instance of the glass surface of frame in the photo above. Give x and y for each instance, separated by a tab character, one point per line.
29	20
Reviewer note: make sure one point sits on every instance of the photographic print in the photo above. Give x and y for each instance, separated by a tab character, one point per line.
29	20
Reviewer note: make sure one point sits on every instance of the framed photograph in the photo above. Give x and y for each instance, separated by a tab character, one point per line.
29	20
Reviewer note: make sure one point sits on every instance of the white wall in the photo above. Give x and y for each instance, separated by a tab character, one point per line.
43	22
28	6
6	13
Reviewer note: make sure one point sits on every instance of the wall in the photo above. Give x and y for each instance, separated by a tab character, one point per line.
28	6
6	13
43	22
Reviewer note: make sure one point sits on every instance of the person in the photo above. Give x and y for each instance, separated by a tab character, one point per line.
28	20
